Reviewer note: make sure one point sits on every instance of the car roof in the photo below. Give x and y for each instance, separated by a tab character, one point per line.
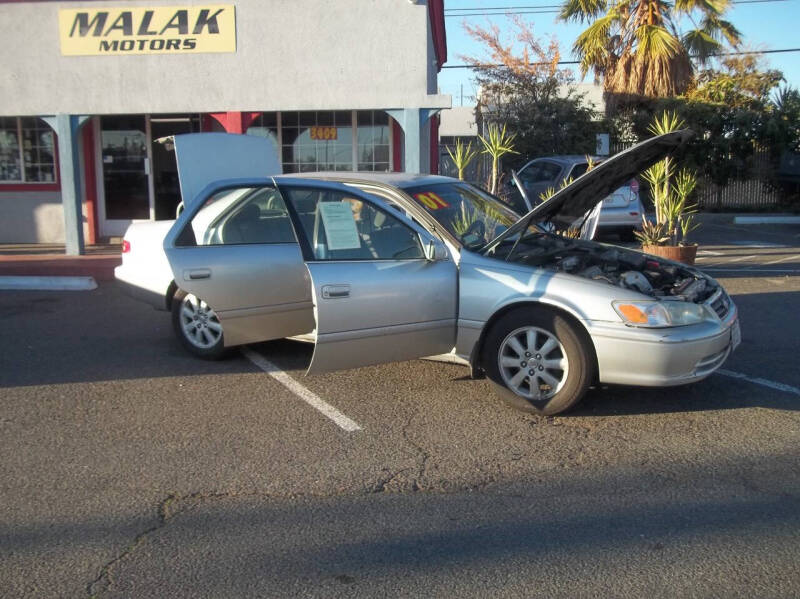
401	180
566	158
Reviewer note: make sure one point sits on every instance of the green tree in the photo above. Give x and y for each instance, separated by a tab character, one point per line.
637	48
739	82
522	87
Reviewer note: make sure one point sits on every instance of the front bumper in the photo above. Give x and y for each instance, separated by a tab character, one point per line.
663	357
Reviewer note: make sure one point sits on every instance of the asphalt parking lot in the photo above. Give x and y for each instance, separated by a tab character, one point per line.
131	469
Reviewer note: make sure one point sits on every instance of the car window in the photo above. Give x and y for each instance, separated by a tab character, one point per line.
339	226
540	172
549	171
243	215
578	170
469	214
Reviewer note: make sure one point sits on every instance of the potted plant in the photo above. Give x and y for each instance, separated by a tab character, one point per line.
671	192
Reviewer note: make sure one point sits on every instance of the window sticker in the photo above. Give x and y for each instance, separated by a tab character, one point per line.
340	226
431	200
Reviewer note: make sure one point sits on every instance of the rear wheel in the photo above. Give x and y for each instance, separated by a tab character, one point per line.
538	361
197	326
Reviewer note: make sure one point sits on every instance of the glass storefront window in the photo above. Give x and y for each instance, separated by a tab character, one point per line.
317	141
373	140
323	140
27	151
266	125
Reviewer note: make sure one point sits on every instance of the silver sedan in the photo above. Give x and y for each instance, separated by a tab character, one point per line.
376	268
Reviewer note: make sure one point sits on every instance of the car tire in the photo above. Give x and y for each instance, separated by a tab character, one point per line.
538	361
627	235
197	326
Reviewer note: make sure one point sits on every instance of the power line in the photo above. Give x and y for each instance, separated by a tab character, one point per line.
539	9
568	62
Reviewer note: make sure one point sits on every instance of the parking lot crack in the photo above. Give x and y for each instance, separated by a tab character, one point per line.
104	580
422	456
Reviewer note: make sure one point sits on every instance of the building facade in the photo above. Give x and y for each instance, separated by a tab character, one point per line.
89	87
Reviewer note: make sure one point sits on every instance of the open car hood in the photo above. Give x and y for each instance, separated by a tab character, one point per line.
582	195
207	157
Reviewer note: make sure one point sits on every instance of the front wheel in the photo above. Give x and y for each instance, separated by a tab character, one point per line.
538	361
197	326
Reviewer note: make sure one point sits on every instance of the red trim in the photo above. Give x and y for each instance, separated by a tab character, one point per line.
234	121
434	145
220	117
438	32
30	186
90	180
397	146
248	118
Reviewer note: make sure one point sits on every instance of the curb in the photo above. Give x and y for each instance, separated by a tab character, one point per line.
47	283
766	220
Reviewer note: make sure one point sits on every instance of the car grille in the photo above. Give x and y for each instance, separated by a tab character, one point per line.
720	303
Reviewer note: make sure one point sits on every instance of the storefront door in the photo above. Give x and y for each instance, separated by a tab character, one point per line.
125	168
138	178
166	188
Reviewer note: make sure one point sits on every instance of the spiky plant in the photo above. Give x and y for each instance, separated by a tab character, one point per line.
497	143
670	192
462	156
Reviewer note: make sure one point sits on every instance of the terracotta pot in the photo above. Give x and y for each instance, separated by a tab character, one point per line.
678	253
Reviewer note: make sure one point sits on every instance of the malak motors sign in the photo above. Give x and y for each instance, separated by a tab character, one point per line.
141	30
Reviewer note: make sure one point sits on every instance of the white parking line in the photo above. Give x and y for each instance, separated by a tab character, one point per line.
784	259
307	396
739	259
753	269
760	381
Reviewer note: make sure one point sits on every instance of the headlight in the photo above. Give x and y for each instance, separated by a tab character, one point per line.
660	314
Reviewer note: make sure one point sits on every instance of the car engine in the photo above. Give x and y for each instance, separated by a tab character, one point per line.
616	266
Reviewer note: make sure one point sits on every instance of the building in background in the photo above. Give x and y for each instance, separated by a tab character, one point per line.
89	87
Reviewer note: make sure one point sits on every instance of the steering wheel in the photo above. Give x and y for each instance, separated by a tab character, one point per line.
477	228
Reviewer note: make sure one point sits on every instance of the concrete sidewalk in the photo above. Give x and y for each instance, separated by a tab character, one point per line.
49	260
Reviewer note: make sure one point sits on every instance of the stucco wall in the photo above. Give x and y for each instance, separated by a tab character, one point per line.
303	55
31	217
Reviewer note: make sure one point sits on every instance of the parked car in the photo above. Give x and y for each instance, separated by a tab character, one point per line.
381	267
621	211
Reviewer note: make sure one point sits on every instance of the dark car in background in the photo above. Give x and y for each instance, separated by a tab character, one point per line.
621	212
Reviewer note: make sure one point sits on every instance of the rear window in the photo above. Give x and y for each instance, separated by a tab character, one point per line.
578	170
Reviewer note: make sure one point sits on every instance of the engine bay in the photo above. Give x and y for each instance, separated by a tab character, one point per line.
616	266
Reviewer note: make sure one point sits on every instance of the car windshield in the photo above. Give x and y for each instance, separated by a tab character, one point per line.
469	214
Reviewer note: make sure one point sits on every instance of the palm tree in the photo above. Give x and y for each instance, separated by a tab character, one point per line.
637	48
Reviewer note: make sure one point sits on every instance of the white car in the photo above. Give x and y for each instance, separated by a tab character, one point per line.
381	267
621	211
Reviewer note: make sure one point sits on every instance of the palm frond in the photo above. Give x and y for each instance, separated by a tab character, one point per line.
702	43
656	42
582	10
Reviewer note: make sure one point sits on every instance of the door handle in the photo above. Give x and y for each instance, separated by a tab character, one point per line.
334	291
194	275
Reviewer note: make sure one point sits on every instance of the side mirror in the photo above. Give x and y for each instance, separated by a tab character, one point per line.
435	251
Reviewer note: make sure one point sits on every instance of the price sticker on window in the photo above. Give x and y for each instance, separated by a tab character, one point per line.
431	201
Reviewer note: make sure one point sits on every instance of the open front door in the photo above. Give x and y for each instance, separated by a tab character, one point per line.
378	295
382	311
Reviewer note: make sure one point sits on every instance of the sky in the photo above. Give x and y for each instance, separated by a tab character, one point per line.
764	25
